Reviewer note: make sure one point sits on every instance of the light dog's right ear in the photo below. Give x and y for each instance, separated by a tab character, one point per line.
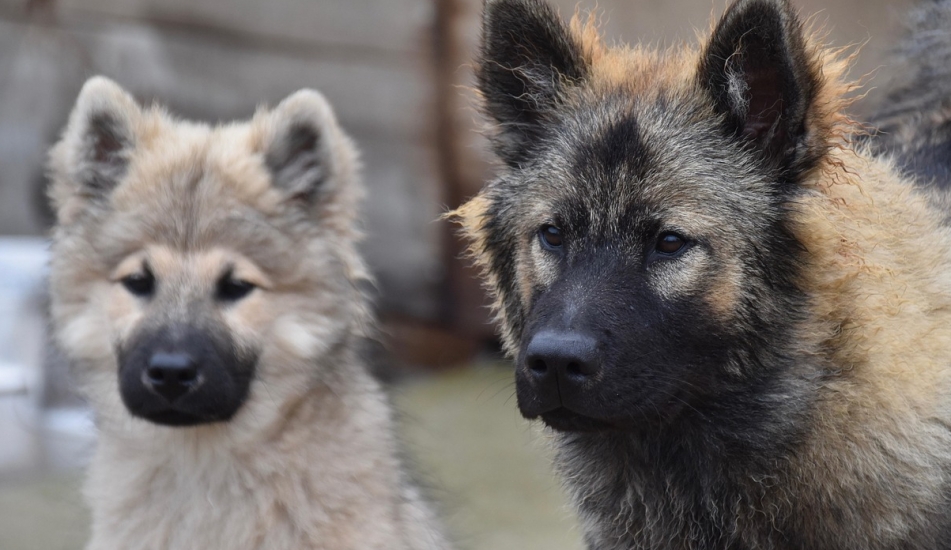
93	155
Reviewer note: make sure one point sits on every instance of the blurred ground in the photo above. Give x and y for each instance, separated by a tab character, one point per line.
486	466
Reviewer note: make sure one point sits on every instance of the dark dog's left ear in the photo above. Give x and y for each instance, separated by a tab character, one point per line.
299	142
762	79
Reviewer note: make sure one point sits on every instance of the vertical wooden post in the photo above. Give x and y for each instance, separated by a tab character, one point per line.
461	164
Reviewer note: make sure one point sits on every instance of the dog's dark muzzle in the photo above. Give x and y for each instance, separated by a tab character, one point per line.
557	372
182	375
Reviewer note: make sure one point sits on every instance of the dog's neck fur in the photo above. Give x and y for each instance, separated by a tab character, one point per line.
293	483
683	485
707	482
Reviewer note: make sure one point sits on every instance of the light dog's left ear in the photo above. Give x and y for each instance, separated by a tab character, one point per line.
299	144
763	79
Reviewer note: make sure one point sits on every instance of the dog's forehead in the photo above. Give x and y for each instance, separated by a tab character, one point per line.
195	196
241	230
195	164
628	159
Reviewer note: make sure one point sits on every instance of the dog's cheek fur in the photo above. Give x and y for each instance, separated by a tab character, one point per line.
493	248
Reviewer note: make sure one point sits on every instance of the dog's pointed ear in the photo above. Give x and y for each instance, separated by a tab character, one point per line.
528	59
762	78
297	144
98	140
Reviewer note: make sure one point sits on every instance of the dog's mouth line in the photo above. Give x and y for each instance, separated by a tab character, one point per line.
565	419
171	416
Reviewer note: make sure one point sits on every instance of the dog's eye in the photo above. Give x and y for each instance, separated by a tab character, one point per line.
230	289
140	284
550	236
670	243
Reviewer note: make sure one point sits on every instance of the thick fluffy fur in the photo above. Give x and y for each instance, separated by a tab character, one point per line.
308	459
783	379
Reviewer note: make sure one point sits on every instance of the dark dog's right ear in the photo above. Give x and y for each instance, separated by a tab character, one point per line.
528	59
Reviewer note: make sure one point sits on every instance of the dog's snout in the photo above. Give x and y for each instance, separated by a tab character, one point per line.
571	357
558	369
172	375
181	375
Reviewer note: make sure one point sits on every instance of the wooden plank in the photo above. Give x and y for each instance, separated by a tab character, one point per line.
389	25
208	79
403	243
464	162
39	85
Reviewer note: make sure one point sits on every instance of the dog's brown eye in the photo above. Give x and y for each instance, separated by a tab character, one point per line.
670	243
230	289
140	284
550	236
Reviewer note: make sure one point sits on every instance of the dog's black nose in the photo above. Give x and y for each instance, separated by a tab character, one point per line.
569	357
172	375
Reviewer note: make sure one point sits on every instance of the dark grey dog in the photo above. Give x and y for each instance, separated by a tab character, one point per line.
736	323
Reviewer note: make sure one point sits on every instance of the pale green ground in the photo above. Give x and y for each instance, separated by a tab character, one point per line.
491	466
487	466
43	515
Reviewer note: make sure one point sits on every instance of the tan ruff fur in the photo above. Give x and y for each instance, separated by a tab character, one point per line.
309	461
879	281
